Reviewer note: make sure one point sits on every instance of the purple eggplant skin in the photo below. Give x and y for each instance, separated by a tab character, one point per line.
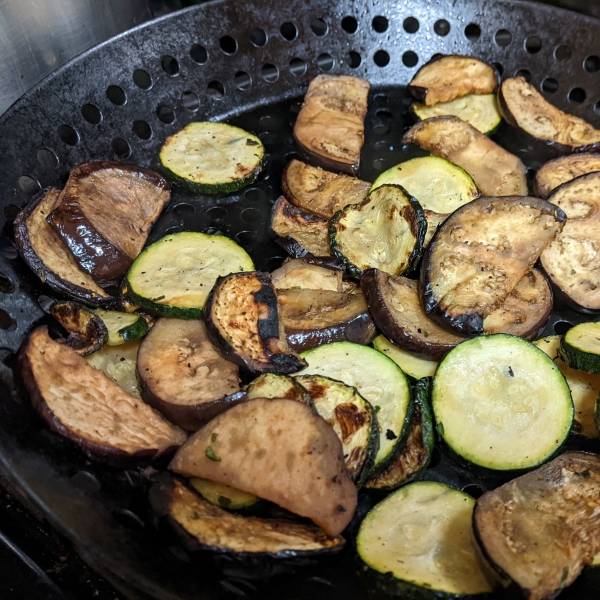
326	162
295	250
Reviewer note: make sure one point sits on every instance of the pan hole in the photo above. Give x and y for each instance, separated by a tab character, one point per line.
353	59
183	210
381	99
349	24
410	59
381	128
228	44
503	37
290	156
116	95
288	31
121	148
242	80
213	231
498	68
592	64
6	321
142	79
473	490
246	238
68	135
550	85
380	24
297	67
165	114
47	158
142	130
274	262
174	229
199	54
562	53
472	32
411	25
441	27
251	215
7	247
254	195
190	101
381	58
215	90
325	62
380	164
577	95
524	73
258	37
533	44
384	114
217	213
29	185
91	114
128	518
11	211
269	73
269	122
319	27
384	146
170	65
561	327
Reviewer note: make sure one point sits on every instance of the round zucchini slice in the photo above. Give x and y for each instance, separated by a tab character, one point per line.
174	276
222	495
417	544
580	347
213	157
122	326
501	404
412	364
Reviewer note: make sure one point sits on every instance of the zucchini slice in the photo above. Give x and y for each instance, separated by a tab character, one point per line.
580	347
119	363
480	111
122	326
352	418
219	494
416	543
565	168
495	171
385	231
212	157
524	108
501	404
269	385
174	276
379	380
87	332
449	77
298	273
413	365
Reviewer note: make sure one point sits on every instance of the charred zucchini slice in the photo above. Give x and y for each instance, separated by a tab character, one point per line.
385	231
269	385
495	171
501	404
174	276
580	347
87	332
417	544
523	107
301	274
414	365
122	326
561	170
119	363
213	158
219	494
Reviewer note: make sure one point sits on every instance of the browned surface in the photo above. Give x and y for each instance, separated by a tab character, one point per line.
86	331
270	385
560	170
298	273
434	220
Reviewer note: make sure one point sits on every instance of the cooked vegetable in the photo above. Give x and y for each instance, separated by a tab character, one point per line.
301	274
501	404
480	253
122	326
417	544
320	192
449	77
213	157
105	214
580	347
413	365
82	404
385	231
352	419
219	494
495	171
269	385
296	459
377	379
119	364
565	168
183	376
242	320
434	220
539	530
330	125
174	276
87	332
523	107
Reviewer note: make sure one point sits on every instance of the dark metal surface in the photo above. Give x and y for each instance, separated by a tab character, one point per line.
122	99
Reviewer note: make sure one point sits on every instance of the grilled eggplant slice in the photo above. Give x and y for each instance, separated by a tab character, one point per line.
298	232
269	385
219	494
539	530
243	321
321	192
82	404
330	125
119	364
183	376
301	274
495	171
105	215
46	255
414	365
434	220
523	107
87	332
315	317
565	168
450	77
572	259
296	459
478	256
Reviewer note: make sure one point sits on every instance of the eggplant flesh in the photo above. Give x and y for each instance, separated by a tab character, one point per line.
301	274
540	530
560	170
87	332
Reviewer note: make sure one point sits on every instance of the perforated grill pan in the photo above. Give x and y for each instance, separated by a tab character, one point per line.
250	64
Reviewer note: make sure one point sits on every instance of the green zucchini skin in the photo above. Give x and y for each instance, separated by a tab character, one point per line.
575	357
127	333
163	310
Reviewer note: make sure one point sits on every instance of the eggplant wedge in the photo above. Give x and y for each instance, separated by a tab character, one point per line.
479	255
243	321
315	317
105	215
269	385
572	260
300	233
451	77
301	274
524	108
82	404
495	171
321	192
330	126
46	255
87	332
296	459
539	530
182	375
565	168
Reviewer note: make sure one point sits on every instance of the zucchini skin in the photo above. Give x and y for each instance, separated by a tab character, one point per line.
164	310
135	331
577	359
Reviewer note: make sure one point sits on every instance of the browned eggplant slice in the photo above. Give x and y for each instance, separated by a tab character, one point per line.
565	168
315	317
299	232
105	215
539	530
301	274
495	171
269	385
182	374
87	331
434	220
480	253
82	404
204	526
243	321
321	192
295	461
523	107
330	125
450	77
46	255
572	259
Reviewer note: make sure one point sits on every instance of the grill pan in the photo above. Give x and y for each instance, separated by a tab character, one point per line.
249	64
